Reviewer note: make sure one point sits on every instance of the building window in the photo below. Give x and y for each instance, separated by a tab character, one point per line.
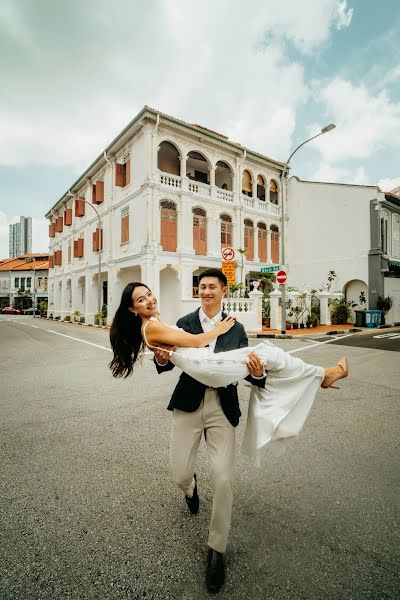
78	248
97	240
261	188
223	176
262	242
384	222
197	168
274	244
80	206
58	258
168	159
249	239
16	283
168	226
247	184
68	217
226	231
125	225
52	230
23	284
273	191
199	231
29	282
59	224
123	171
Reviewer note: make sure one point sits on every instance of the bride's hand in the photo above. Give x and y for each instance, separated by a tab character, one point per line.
225	325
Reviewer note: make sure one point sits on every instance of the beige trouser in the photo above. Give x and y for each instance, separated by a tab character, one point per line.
219	434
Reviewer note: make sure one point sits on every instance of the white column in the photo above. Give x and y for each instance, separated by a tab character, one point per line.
254	187
186	273
256	256
114	291
91	302
267	194
185	224
184	179
150	275
213	237
276	316
75	291
256	296
238	229
325	316
57	298
149	171
64	299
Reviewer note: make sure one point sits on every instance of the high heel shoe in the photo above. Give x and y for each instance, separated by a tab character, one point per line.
340	371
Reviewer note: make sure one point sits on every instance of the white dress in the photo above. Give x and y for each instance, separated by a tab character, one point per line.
276	411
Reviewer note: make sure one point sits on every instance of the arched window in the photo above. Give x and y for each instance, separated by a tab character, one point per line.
168	159
168	226
385	231
197	168
261	188
249	239
247	185
396	236
262	242
200	231
223	176
273	191
226	231
274	244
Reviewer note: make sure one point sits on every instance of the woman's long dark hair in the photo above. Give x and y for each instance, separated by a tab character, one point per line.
126	335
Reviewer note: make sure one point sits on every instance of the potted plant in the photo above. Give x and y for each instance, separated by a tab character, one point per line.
104	315
76	315
342	310
266	312
384	304
361	314
67	318
289	325
43	308
97	318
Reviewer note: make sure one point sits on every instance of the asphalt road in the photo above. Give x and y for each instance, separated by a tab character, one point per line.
88	511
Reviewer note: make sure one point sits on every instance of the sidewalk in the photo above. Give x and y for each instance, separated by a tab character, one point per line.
314	331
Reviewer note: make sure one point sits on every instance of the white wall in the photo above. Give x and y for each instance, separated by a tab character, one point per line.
328	229
392	289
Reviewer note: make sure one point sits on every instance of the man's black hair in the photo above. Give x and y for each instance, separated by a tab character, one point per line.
214	273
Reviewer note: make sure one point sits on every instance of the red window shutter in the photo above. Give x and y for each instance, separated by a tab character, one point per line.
94	199
249	242
76	249
125	229
119	175
68	217
79	207
95	241
51	261
52	230
168	229
200	235
128	172
59	224
275	247
262	245
80	247
58	257
99	192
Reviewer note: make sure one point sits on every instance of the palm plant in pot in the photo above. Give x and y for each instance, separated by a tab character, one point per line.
384	304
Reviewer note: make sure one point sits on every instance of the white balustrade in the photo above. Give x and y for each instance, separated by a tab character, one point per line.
224	195
248	201
199	188
237	305
171	181
274	209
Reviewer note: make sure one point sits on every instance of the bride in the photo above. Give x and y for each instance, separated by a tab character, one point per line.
276	411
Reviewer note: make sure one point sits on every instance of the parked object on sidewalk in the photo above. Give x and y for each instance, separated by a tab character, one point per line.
31	311
373	318
10	310
384	304
360	318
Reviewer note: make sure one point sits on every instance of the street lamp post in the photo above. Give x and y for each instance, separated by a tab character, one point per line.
284	197
99	273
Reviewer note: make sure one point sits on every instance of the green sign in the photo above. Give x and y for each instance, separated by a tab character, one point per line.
270	269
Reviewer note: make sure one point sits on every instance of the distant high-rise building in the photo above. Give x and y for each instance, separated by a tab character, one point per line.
21	237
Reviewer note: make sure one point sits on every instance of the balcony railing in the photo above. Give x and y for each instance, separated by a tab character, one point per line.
199	188
171	181
224	195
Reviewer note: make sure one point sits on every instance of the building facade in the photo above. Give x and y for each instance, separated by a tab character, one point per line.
353	230
20	237
23	280
168	196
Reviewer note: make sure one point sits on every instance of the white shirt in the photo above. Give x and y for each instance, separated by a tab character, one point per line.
207	324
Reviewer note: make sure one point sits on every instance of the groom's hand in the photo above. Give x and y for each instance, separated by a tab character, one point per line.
255	365
162	356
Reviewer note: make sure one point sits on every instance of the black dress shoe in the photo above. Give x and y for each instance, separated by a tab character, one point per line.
215	574
193	502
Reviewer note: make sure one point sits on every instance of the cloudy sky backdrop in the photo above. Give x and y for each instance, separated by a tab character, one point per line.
267	73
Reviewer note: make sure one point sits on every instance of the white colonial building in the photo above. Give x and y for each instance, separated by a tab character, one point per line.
169	196
353	230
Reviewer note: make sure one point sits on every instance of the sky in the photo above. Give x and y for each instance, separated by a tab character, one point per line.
267	73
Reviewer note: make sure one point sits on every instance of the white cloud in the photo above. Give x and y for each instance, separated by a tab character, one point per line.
330	173
365	123
387	185
77	87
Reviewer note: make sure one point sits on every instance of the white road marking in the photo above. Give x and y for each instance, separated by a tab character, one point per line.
35	326
79	340
315	344
389	336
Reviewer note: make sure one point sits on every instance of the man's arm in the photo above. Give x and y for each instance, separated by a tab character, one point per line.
243	343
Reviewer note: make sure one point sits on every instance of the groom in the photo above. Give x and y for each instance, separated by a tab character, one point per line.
198	409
